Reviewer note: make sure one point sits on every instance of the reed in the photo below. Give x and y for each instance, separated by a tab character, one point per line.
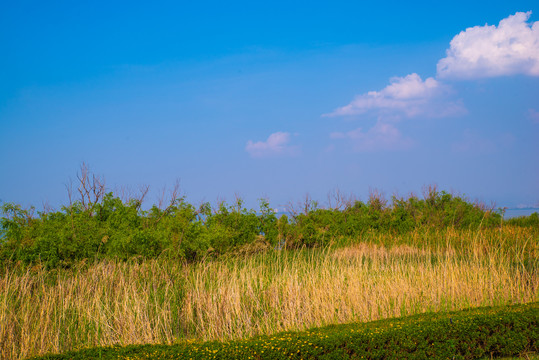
159	301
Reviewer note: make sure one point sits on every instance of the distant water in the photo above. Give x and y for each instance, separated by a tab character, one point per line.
509	212
516	212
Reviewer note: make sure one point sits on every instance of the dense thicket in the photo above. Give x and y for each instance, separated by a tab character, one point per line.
111	228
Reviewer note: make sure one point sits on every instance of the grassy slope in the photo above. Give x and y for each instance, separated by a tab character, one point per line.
469	334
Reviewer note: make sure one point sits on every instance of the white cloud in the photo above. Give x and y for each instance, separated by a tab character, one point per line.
512	47
277	144
408	97
487	51
533	115
381	136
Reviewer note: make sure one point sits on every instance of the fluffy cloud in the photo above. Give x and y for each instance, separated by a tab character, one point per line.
381	136
407	96
487	51
512	47
276	144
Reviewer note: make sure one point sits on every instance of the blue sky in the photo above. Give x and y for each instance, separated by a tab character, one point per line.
273	99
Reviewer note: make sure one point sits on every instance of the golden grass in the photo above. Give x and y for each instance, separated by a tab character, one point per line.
154	301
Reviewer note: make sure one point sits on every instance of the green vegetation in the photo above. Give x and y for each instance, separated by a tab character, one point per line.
469	334
104	272
102	226
246	294
529	221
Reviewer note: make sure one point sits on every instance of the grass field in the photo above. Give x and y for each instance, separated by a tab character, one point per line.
262	293
476	333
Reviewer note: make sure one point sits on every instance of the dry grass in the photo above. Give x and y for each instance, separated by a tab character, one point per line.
162	302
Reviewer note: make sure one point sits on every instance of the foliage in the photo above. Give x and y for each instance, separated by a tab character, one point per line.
107	227
469	334
529	221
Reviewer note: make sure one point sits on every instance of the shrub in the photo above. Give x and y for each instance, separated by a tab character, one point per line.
528	221
106	227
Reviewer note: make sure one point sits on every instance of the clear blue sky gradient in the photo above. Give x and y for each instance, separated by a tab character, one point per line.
150	93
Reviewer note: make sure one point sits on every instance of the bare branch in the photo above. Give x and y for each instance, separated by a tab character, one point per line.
377	200
174	196
47	208
302	207
430	192
98	189
238	202
124	192
175	192
161	199
291	209
337	200
91	191
83	179
308	204
69	188
143	189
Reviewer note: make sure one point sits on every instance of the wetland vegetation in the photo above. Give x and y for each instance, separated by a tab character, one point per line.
102	271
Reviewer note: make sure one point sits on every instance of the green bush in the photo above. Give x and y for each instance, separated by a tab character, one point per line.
438	210
528	221
110	228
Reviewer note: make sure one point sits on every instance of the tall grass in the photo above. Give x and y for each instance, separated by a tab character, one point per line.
159	301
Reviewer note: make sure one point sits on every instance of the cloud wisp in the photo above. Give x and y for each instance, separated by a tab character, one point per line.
404	97
472	142
381	136
533	115
510	48
277	144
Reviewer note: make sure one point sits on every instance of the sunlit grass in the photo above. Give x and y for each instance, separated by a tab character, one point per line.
155	301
